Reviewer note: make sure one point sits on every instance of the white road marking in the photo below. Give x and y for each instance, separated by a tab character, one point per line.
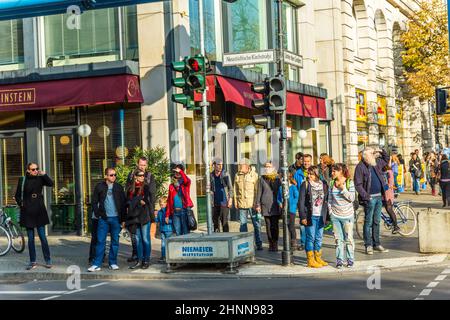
440	278
425	292
419	299
98	285
32	292
74	291
50	298
432	284
446	271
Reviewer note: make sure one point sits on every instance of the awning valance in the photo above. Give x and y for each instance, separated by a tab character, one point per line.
70	93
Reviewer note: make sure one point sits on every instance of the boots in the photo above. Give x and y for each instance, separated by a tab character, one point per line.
312	263
318	257
270	245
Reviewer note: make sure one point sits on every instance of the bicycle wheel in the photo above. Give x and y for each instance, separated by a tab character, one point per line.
406	219
359	223
5	241
17	237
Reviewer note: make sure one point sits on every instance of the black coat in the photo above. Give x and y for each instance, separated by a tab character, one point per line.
305	203
266	197
138	214
33	213
151	183
99	196
444	170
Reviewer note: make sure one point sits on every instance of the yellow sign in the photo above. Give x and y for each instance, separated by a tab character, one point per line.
382	111
400	175
422	180
361	105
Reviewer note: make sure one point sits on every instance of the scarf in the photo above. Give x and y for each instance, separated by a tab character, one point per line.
136	192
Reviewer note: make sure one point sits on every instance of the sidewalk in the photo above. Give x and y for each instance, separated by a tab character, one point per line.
73	251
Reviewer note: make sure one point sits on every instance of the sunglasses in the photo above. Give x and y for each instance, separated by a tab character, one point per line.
113	175
139	175
34	169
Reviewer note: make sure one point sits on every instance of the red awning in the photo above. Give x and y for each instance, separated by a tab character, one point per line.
70	93
240	92
211	93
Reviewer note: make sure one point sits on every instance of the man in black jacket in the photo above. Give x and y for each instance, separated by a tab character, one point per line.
149	180
371	186
108	204
222	191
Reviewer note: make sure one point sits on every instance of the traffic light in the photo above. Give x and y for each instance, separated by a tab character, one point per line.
186	97
264	120
263	89
197	73
441	101
277	94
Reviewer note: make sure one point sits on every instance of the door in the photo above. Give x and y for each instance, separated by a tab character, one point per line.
12	167
60	156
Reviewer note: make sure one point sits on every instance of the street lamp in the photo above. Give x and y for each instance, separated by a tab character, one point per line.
250	130
221	128
302	134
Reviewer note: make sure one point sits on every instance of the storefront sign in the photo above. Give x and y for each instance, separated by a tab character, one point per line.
293	59
257	57
361	106
400	179
70	93
382	111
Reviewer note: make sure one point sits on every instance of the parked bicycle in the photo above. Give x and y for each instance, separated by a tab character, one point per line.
13	232
406	219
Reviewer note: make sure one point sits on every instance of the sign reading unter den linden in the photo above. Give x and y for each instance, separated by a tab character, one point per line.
16	97
236	59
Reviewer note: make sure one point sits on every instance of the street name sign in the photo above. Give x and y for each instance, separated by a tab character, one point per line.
293	59
257	57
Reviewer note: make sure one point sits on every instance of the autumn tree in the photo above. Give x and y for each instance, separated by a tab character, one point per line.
426	50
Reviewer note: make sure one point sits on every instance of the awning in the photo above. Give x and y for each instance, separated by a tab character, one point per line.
70	93
239	92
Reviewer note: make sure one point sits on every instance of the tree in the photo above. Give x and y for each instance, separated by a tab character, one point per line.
426	50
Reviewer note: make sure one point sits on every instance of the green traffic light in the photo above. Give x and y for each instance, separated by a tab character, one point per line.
181	98
179	82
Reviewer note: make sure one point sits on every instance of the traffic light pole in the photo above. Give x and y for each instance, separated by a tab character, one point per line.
204	104
286	254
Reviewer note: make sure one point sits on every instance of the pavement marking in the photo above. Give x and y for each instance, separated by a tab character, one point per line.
98	285
50	298
32	292
446	271
425	292
432	284
419	299
441	277
74	291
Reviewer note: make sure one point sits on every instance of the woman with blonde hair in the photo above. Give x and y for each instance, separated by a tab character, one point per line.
325	168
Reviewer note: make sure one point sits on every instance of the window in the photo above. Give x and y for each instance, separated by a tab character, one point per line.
210	29
11	50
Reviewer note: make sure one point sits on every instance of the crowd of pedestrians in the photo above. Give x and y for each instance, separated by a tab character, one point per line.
318	195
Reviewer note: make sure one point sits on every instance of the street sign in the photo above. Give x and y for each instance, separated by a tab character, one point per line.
256	57
293	59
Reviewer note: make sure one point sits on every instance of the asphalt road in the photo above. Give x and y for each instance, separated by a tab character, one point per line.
428	283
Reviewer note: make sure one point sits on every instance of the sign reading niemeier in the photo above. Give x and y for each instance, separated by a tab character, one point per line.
16	97
236	59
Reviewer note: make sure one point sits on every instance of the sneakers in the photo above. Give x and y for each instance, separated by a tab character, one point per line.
32	266
94	268
48	265
396	230
369	250
145	265
136	265
350	263
259	248
381	249
162	260
132	259
339	264
114	267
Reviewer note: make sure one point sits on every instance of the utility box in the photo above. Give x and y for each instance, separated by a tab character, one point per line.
434	231
227	247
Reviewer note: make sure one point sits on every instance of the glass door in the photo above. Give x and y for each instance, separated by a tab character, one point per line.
12	167
60	166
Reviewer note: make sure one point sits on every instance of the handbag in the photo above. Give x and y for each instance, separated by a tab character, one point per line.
192	222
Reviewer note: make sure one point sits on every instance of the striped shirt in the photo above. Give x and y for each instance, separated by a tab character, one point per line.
340	202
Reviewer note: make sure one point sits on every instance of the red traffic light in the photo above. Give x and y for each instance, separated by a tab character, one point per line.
194	65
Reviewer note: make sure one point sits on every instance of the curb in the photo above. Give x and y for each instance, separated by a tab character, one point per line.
244	272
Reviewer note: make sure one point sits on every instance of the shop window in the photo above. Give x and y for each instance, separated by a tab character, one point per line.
209	24
11	50
12	120
59	117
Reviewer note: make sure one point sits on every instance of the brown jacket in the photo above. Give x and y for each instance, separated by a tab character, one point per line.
245	188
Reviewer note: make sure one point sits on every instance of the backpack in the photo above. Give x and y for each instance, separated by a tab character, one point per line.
347	185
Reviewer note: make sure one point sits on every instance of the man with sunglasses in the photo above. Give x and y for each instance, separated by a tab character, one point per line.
109	205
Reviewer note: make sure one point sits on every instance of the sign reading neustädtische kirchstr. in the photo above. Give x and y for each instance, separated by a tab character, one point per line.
245	58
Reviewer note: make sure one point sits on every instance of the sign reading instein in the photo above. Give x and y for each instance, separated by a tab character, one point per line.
15	97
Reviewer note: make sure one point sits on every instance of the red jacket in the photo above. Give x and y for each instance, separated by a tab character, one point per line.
185	190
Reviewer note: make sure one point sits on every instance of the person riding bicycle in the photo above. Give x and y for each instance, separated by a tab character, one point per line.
388	198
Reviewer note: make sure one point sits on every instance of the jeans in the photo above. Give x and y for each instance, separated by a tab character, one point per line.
395	180
144	246
314	234
372	218
343	235
164	236
44	244
256	224
180	222
221	214
302	240
111	225
416	183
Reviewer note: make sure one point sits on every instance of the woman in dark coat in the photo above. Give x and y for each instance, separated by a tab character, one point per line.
33	214
267	204
139	218
444	180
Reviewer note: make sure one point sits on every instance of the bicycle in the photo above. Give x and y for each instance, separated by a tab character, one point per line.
16	235
5	241
406	219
